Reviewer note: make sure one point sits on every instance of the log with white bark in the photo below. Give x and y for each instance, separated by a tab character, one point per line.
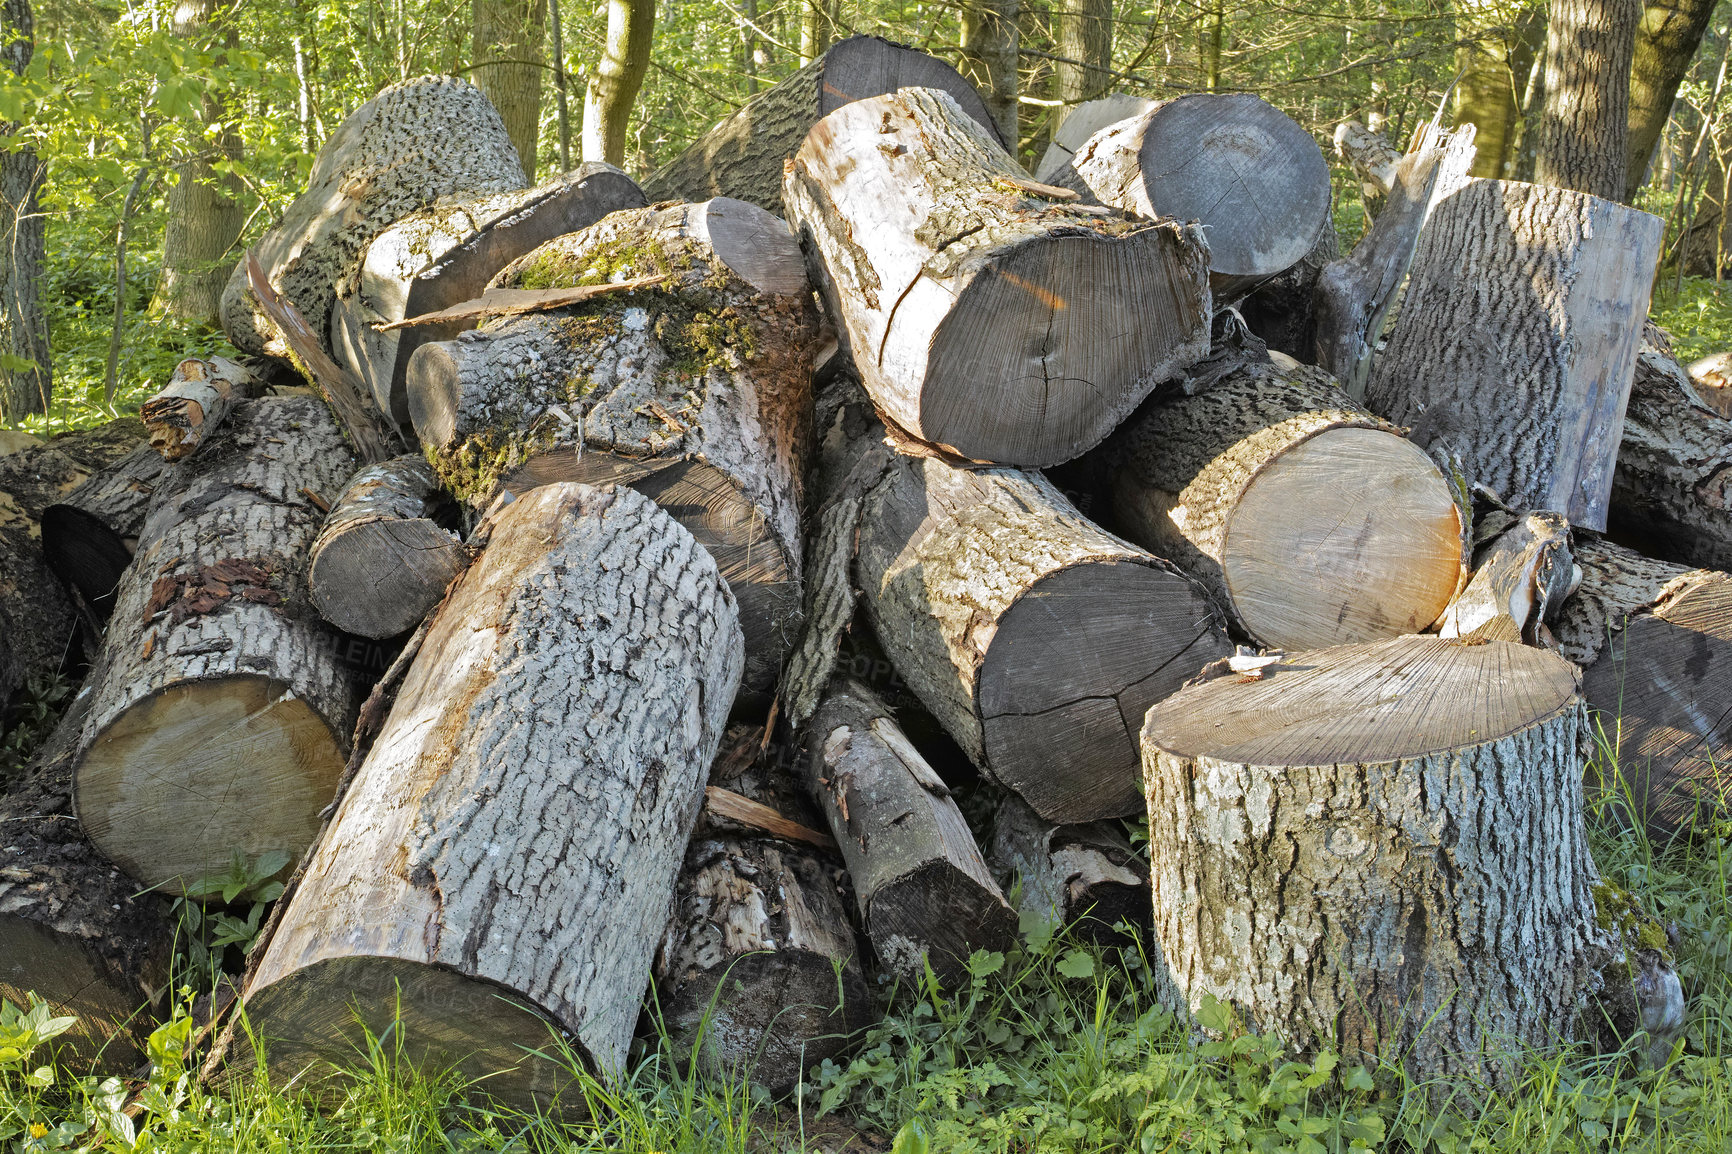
1517	339
195	401
387	551
221	705
501	867
1086	877
1315	522
1374	160
742	156
1082	122
1254	179
987	314
89	536
444	255
923	890
1380	848
697	392
415	142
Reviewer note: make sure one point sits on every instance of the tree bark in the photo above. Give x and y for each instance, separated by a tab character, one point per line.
26	382
1083	877
1313	521
386	553
696	392
445	255
990	55
497	874
614	84
1082	122
89	536
397	153
1667	37
1584	128
221	706
985	314
1082	33
198	397
1517	339
506	45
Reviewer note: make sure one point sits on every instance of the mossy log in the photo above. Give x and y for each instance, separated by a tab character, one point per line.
88	537
1084	877
198	396
499	874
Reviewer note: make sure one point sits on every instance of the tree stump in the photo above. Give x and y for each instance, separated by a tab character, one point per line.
1254	179
89	537
195	401
985	314
444	255
697	393
1082	876
221	705
1380	848
1079	124
492	876
387	551
1517	340
742	156
1316	523
413	143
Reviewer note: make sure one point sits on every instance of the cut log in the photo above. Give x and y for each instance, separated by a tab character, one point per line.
923	891
1655	640
197	397
1082	122
697	393
1255	180
1316	523
387	551
1380	849
89	537
987	316
446	254
1522	573
742	156
496	875
413	143
221	704
1517	339
1085	877
1036	639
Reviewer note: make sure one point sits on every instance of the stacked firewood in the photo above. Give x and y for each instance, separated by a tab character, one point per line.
633	499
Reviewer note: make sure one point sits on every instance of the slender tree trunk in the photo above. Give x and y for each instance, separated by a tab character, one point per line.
25	373
1082	33
617	78
1585	128
1213	31
559	86
817	29
1666	41
990	39
1493	71
508	35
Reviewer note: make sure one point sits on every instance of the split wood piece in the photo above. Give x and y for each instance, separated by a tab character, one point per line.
221	705
1082	876
194	402
995	321
696	393
1035	638
1082	122
1518	337
1712	376
921	886
1255	180
445	254
1655	640
504	302
742	156
386	553
89	537
415	142
1523	571
1315	522
1380	849
493	878
1375	161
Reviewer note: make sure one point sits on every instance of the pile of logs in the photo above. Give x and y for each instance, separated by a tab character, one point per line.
641	585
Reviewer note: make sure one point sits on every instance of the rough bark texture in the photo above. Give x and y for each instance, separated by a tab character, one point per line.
1584	128
990	46
1082	33
387	552
197	397
1082	876
923	890
413	143
88	537
500	872
445	255
697	392
1402	873
1311	519
1667	36
506	46
221	705
1517	339
1255	180
23	320
985	317
615	82
1082	122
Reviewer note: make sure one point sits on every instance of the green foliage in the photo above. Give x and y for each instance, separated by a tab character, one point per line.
215	915
30	719
1699	318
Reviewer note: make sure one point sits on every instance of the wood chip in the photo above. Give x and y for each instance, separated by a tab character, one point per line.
728	804
511	302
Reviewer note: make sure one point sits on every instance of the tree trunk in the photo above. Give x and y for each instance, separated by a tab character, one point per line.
922	889
499	873
1083	877
445	255
990	54
507	50
742	156
1082	122
1493	69
1373	159
89	536
399	152
1082	33
986	315
1313	521
696	392
221	704
1584	129
26	382
1667	37
386	553
1380	849
198	397
614	84
817	30
1517	339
